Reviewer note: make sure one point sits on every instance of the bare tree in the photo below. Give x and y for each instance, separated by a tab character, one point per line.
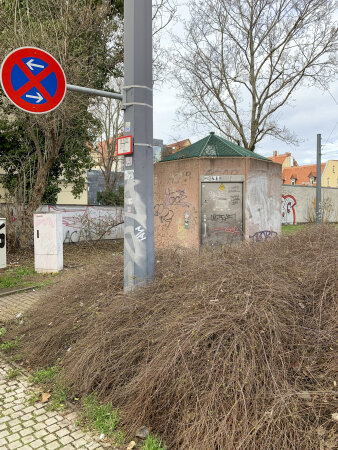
108	112
240	61
164	13
77	33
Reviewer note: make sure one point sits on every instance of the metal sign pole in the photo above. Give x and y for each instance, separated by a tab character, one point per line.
139	170
95	92
319	181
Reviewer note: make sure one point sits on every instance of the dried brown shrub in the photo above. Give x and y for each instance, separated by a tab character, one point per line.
234	349
62	316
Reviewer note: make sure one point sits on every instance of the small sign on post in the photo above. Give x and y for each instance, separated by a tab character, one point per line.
124	145
3	263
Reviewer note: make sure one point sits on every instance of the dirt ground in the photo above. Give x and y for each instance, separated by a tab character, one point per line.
20	273
73	254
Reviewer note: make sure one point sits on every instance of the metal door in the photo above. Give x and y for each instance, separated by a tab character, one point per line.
221	212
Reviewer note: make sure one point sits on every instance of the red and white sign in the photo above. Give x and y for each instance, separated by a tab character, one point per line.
33	80
124	145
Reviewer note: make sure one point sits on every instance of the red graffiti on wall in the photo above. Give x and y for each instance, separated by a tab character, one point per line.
226	229
288	208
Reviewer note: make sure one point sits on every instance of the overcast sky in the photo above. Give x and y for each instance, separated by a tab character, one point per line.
312	111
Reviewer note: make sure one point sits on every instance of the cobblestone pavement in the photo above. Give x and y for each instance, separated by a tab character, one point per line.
24	426
13	304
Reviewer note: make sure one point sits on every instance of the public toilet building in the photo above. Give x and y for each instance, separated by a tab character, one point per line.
215	192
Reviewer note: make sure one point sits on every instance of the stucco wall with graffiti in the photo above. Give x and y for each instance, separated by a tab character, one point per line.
299	204
82	223
176	205
177	196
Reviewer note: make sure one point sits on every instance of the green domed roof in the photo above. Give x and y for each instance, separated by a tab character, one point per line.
214	146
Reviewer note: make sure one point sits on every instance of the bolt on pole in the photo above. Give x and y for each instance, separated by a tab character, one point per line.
138	122
319	181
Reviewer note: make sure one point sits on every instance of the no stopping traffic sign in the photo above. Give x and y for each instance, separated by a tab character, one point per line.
33	80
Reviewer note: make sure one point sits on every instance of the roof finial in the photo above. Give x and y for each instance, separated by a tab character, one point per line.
212	132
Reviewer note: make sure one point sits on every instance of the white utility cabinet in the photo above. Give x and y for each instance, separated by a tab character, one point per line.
3	262
48	242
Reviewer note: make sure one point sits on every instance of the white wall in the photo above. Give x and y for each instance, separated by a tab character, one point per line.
299	203
88	222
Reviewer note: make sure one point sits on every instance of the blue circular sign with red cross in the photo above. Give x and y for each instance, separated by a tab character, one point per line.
33	80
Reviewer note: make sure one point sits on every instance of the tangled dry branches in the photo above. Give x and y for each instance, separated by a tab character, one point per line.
234	349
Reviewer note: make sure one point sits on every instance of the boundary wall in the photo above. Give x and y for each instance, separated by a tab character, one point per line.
299	204
81	223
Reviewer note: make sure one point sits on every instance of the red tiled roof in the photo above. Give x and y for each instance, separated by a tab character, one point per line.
179	145
301	174
279	159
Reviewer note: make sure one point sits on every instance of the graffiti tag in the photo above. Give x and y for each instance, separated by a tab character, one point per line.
163	213
263	235
222	217
2	236
288	209
141	233
235	199
225	229
176	198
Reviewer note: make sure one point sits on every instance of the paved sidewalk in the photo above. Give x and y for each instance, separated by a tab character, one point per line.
24	426
13	304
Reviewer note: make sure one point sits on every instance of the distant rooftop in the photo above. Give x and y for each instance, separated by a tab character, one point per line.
214	146
179	145
279	159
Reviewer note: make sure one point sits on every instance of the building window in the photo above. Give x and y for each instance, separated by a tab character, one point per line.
311	180
293	181
333	169
328	181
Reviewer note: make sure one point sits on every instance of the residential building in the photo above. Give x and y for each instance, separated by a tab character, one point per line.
330	174
65	196
286	159
305	175
158	147
175	147
302	175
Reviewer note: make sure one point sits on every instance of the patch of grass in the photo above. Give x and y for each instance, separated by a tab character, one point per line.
8	346
289	229
33	398
58	397
153	443
101	417
13	373
44	377
2	331
48	380
19	276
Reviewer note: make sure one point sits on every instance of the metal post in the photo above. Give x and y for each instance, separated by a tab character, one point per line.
319	182
3	263
94	92
139	170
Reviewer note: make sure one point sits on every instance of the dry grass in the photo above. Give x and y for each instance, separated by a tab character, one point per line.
235	349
